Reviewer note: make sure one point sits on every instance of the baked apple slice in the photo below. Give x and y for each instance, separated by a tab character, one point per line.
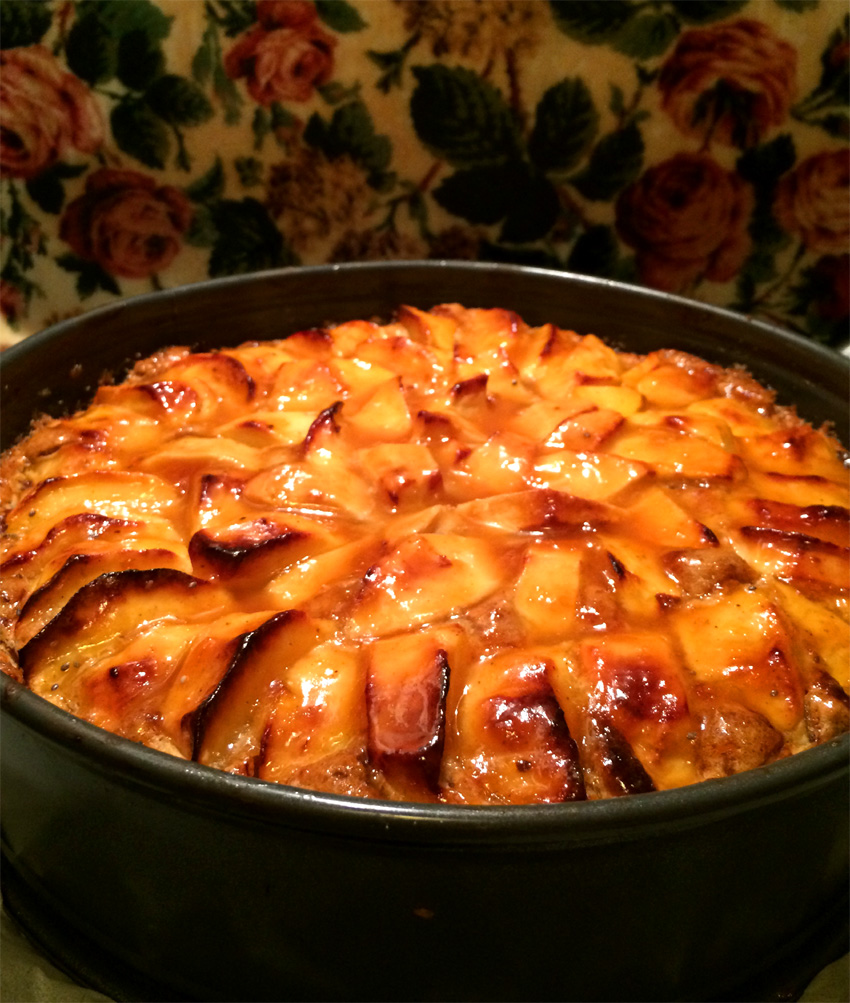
425	578
46	602
230	724
511	743
106	613
316	735
407	683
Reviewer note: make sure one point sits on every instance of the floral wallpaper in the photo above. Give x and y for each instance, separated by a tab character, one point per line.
694	146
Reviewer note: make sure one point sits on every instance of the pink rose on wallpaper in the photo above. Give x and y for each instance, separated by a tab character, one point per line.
732	82
813	202
44	112
285	56
285	13
686	217
126	224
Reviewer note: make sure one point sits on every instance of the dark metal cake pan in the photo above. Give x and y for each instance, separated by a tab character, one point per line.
154	878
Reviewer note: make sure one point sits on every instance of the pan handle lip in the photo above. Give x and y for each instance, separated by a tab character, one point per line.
205	790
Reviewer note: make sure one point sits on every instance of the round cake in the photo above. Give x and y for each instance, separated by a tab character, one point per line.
451	558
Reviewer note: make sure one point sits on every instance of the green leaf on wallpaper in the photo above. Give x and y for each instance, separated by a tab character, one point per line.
140	60
202	230
565	125
248	240
615	162
593	22
836	125
91	50
209	186
351	131
23	22
704	11
140	132
206	55
90	276
533	211
479	194
122	16
646	36
763	165
250	171
340	15
234	16
798	6
595	252
178	100
461	117
47	190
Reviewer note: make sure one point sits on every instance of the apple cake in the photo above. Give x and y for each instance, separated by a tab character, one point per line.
451	558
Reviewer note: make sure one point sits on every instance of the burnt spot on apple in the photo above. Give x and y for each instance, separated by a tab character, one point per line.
112	606
228	726
612	760
531	728
801	557
826	522
323	426
246	546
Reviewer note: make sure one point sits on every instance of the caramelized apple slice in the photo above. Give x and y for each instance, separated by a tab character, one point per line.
596	476
587	430
537	510
823	635
737	642
825	522
114	493
635	682
46	602
511	743
425	578
433	329
622	400
230	724
611	768
672	452
501	464
383	417
331	574
407	682
547	589
406	473
108	612
796	451
656	518
316	736
802	491
540	419
795	557
23	571
221	382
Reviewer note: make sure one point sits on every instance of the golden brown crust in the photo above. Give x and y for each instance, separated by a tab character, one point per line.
450	558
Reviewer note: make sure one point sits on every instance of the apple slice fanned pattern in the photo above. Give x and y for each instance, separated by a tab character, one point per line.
448	558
